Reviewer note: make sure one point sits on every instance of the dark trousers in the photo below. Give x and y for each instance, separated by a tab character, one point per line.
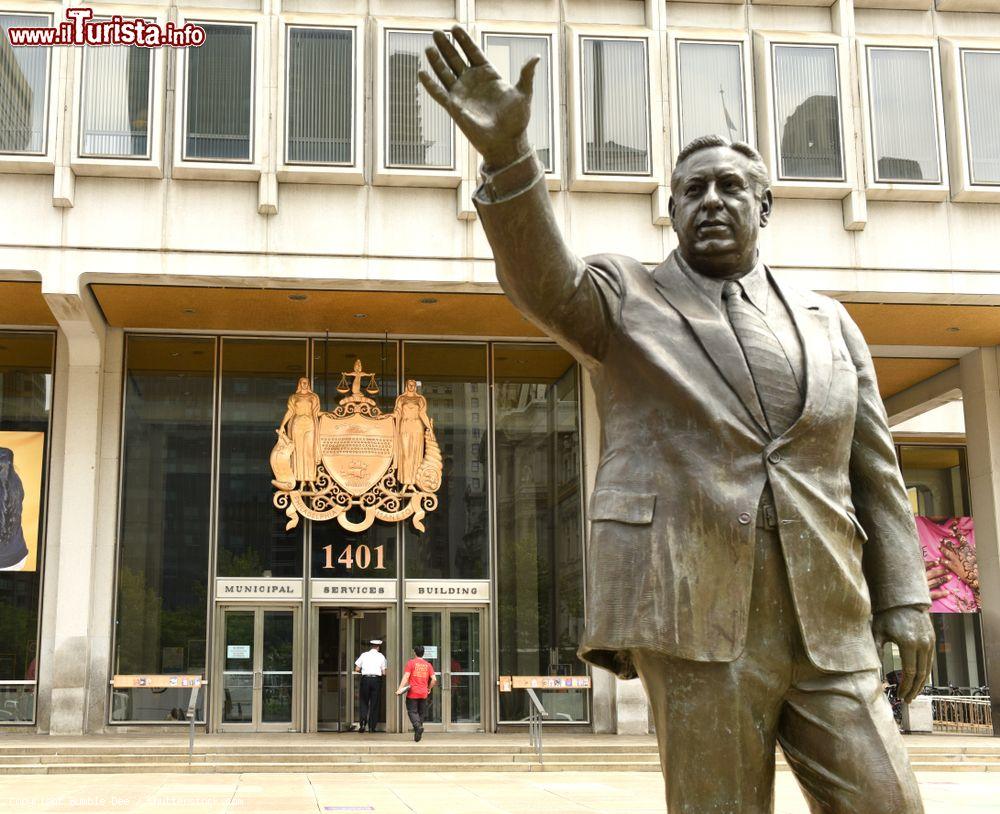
717	723
369	701
416	708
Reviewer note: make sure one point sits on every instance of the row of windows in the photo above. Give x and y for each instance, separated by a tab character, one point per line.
615	132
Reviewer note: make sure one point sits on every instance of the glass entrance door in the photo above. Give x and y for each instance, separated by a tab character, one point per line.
259	688
452	641
343	634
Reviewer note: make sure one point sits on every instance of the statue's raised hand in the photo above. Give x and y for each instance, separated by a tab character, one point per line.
492	114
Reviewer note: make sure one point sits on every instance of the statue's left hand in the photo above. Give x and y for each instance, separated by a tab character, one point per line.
910	628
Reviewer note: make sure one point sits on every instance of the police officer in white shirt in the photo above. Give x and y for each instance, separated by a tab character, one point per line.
371	665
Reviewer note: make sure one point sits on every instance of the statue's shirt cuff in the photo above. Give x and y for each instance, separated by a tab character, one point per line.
510	181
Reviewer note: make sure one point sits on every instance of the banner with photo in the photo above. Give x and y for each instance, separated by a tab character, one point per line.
21	458
949	549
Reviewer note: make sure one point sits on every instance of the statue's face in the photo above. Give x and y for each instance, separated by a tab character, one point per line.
411	386
716	212
303	385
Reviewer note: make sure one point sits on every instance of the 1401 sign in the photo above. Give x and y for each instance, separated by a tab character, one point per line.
359	556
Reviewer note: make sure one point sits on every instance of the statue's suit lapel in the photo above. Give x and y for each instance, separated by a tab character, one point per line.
712	331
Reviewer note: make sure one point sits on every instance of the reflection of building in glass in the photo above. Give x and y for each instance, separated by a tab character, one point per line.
16	99
899	169
406	143
810	140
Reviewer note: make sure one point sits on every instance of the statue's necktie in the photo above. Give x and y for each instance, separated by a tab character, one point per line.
772	373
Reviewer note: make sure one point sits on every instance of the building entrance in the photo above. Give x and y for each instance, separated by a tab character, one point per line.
453	644
260	687
342	634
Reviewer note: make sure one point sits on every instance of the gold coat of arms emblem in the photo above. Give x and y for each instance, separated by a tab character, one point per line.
385	465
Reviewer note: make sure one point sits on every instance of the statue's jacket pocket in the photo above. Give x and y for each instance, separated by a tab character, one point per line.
634	508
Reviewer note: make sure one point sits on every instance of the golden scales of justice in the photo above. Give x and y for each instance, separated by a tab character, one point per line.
387	465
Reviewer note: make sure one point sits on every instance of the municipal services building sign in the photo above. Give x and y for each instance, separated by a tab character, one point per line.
387	465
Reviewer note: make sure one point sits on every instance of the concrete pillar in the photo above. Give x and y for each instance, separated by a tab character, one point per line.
981	399
70	580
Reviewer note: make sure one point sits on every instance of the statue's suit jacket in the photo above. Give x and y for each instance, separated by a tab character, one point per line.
686	455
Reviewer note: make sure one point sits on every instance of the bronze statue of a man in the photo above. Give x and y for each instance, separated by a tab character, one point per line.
751	541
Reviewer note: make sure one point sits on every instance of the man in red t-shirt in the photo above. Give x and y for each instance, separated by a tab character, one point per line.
417	682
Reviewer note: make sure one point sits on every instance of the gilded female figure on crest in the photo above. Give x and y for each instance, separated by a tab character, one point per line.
300	423
412	422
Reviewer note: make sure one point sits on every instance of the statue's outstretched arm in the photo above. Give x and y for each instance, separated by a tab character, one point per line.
571	300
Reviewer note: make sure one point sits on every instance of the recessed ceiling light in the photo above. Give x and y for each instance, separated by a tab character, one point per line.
175	354
429	300
189	311
953	329
298	297
361	316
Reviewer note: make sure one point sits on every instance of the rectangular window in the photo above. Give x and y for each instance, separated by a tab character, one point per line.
115	102
903	114
25	405
981	78
419	132
165	520
710	90
24	84
320	96
615	107
508	52
219	102
807	112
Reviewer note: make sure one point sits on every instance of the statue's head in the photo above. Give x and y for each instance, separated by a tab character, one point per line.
720	199
304	386
357	366
411	385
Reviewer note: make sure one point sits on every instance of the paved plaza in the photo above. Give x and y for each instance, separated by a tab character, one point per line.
394	793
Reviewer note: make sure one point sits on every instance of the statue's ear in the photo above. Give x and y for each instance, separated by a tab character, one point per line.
671	206
766	206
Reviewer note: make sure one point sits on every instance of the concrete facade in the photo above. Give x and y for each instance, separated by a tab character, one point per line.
68	225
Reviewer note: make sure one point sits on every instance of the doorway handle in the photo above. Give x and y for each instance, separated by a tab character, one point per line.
258	679
446	682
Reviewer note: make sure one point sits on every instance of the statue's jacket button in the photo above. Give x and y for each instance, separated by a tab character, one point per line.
774	457
745	518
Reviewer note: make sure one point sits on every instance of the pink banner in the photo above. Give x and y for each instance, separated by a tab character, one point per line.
949	548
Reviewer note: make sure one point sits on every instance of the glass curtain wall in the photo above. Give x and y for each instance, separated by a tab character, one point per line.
257	377
166	487
188	399
538	523
452	377
25	405
336	552
936	479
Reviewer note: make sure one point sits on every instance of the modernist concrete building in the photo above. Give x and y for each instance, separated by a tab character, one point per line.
185	233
